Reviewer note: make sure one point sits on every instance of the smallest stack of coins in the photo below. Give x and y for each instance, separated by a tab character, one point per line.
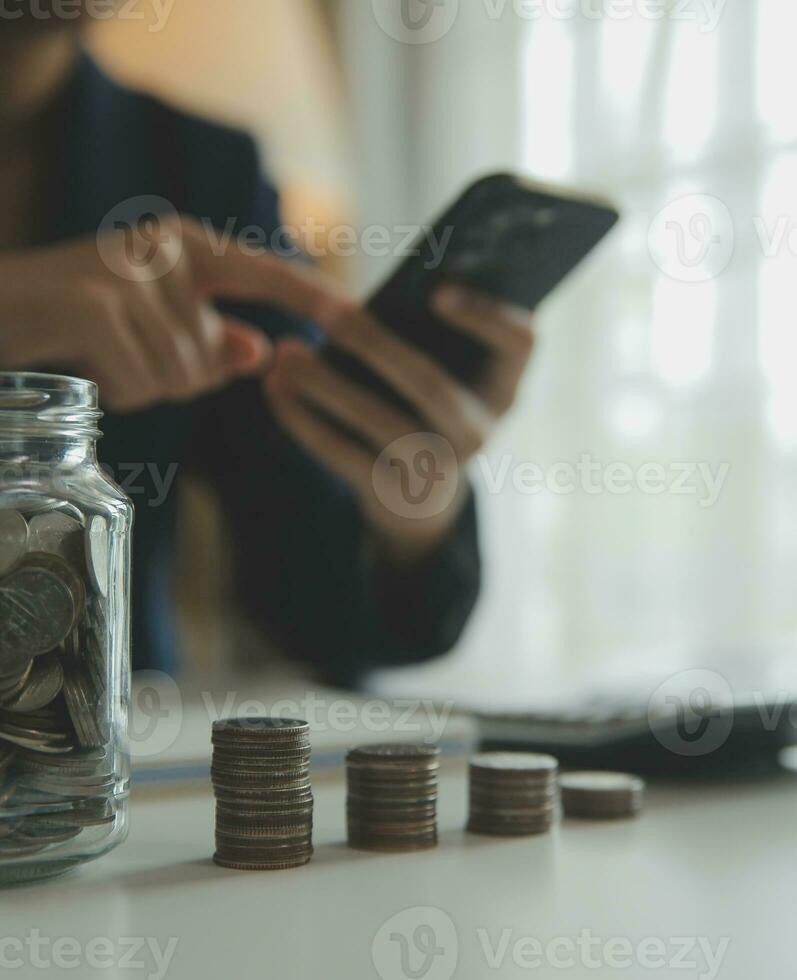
264	801
601	795
392	797
512	794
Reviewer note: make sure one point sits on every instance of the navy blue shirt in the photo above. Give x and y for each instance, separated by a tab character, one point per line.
302	569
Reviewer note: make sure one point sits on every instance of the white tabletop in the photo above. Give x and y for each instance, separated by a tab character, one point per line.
707	876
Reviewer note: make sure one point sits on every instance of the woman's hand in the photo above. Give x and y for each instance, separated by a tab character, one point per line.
131	310
409	476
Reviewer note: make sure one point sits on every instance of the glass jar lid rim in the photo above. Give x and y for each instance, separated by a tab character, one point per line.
33	398
27	389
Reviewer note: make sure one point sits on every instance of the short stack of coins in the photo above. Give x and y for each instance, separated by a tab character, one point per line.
512	794
264	800
391	803
601	795
55	732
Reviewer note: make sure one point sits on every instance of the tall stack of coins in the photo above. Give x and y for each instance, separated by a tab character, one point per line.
54	711
601	795
392	797
512	793
264	800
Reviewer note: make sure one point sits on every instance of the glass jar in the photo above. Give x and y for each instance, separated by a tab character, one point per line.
64	632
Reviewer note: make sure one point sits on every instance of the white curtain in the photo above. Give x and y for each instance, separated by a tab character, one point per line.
636	363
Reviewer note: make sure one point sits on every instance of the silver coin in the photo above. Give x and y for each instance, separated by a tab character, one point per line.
43	685
89	760
69	788
13	539
51	719
12	684
395	752
7	755
260	727
37	609
73	644
82	704
38	741
57	534
601	783
93	813
7	790
97	553
511	762
96	661
36	831
10	847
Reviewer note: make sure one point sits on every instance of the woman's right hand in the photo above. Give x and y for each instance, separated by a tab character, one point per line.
132	311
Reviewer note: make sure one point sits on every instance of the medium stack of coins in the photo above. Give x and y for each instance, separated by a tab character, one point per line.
601	795
512	793
392	797
264	800
55	727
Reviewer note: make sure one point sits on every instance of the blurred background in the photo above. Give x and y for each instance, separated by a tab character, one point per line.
639	361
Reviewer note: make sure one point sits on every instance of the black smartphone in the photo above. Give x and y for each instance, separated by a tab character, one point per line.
506	237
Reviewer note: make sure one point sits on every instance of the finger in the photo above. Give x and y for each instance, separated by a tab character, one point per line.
245	350
168	344
307	376
448	407
236	274
125	376
199	319
504	329
349	461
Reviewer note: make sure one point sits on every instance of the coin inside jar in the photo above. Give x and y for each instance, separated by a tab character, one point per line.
39	603
13	539
56	533
97	548
43	684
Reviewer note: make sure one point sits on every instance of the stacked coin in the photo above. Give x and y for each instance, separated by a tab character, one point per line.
264	800
601	795
512	793
392	797
54	713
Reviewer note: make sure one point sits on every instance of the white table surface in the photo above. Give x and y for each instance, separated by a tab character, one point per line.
702	862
